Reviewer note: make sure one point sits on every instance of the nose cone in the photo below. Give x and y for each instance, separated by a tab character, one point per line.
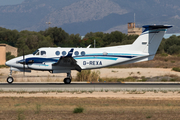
11	62
8	63
16	62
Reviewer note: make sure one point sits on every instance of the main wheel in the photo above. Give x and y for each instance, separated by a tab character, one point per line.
67	80
10	80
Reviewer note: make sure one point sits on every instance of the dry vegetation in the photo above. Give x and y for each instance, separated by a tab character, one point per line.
13	108
165	78
89	108
159	61
88	75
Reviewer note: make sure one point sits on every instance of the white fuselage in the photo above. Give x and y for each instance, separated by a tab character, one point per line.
87	58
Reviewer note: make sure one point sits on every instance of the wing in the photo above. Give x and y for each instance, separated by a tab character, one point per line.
68	61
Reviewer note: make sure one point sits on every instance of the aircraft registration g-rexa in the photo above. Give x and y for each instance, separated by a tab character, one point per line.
63	60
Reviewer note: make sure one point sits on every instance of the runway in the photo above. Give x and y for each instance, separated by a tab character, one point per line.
87	86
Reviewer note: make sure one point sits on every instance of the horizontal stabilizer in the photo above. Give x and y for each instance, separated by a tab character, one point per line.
154	27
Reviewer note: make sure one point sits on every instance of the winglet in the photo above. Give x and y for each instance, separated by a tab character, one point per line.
70	53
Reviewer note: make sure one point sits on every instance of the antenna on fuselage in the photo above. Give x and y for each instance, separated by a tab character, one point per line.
89	46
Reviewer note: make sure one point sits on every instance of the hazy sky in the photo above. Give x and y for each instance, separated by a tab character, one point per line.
10	2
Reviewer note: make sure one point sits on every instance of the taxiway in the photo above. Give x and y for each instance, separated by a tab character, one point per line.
88	86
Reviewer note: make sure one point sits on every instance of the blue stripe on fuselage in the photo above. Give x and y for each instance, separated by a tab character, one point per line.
102	56
38	64
95	56
105	58
117	54
41	60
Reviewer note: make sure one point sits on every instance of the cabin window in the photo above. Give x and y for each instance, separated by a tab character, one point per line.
64	53
57	53
43	52
76	53
82	53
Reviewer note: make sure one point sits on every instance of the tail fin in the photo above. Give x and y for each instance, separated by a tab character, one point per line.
150	39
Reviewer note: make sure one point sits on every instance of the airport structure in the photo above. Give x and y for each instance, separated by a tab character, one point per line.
4	48
133	30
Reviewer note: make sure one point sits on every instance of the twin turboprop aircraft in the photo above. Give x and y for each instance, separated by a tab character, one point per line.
63	60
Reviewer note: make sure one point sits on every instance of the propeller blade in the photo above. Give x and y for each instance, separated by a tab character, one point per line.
24	63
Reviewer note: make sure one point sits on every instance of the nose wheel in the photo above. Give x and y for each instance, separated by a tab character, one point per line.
10	80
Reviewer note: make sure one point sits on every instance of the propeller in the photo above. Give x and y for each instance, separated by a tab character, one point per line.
24	63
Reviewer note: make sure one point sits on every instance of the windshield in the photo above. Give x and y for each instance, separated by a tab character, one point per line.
34	53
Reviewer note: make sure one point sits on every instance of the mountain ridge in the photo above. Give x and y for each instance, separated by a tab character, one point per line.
82	16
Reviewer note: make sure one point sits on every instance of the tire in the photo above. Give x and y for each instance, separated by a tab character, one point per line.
67	81
10	80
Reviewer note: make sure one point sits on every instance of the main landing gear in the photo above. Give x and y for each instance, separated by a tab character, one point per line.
10	78
68	79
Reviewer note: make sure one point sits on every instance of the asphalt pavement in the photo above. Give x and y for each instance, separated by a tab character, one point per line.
87	86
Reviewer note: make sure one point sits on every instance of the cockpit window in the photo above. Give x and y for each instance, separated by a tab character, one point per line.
37	53
43	52
34	53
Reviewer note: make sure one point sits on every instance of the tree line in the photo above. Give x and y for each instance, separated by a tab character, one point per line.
29	41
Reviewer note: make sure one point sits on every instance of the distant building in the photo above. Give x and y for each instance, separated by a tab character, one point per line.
4	48
133	30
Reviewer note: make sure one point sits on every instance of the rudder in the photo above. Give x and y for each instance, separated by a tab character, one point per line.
150	39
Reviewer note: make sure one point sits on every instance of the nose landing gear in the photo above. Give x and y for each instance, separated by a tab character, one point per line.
68	79
10	78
